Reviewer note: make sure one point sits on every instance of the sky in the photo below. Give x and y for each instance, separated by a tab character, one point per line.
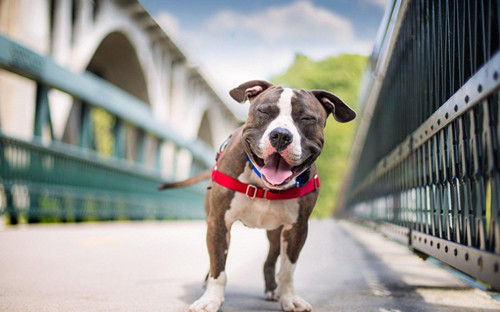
236	41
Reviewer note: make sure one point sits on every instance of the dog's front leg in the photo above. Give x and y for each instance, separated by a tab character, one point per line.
293	238
217	243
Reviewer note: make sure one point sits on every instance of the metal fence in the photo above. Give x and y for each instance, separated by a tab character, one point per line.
426	161
47	180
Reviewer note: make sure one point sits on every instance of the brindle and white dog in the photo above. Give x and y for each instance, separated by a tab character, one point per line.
271	160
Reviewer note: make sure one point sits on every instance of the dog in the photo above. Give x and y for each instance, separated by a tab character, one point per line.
265	176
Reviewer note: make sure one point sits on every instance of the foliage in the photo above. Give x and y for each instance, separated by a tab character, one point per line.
340	75
103	123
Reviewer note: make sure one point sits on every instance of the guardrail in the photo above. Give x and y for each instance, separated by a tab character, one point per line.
54	181
427	158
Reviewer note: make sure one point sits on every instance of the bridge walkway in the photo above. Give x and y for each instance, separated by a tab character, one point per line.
160	266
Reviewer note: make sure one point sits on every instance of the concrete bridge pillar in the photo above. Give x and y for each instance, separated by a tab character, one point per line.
28	23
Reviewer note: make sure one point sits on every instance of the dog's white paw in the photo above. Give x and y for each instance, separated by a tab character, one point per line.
294	303
213	298
271	296
206	304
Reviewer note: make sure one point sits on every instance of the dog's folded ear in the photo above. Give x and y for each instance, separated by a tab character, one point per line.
334	105
248	90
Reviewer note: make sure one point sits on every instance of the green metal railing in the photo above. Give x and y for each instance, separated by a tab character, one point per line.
55	181
427	160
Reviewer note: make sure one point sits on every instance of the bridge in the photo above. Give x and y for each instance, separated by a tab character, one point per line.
95	114
81	140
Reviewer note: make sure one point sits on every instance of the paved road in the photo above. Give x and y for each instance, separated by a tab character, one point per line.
160	266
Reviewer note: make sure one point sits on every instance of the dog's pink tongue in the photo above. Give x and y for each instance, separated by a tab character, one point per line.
276	170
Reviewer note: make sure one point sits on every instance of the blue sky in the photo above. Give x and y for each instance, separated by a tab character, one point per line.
236	41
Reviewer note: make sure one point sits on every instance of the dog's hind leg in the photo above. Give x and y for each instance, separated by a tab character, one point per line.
274	237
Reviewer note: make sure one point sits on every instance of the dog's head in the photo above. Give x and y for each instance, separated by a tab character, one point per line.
283	134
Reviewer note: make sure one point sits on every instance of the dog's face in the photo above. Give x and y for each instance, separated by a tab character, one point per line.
283	134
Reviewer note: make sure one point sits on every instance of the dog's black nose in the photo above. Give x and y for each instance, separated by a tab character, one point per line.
280	138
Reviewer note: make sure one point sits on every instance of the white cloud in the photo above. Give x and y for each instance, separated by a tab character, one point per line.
237	46
300	20
232	69
379	3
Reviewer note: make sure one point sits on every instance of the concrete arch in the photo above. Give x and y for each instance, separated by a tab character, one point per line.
116	61
110	19
156	68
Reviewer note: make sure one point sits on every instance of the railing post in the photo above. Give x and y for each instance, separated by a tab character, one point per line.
141	138
86	127
42	121
79	211
120	137
9	197
11	210
157	156
42	111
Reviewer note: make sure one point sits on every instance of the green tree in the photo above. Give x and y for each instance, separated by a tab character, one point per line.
340	75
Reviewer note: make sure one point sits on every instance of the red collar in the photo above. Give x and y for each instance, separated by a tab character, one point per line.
253	191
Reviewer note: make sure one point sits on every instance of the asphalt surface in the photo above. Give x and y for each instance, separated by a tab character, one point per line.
160	267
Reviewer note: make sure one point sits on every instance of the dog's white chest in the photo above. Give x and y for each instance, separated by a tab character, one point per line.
261	213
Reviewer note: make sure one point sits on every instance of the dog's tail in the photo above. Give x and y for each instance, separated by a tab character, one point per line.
193	180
